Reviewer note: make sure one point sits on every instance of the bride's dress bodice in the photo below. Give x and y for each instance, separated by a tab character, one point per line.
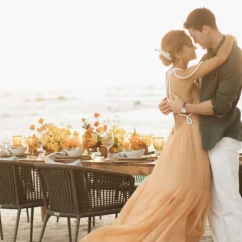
189	93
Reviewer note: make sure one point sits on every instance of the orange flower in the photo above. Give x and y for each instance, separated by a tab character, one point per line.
96	123
32	127
96	115
41	121
90	129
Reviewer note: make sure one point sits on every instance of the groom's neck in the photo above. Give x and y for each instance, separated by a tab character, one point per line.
215	38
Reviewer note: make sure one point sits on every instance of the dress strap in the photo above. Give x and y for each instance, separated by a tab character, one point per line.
188	117
184	77
168	81
168	86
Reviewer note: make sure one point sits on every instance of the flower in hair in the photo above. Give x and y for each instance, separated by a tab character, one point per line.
165	54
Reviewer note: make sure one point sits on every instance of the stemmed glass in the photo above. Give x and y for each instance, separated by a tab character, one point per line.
41	151
6	139
158	143
31	146
108	140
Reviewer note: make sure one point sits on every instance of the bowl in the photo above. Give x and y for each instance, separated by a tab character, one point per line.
134	153
74	152
17	150
99	158
94	154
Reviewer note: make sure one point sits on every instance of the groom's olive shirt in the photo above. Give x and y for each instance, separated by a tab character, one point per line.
223	87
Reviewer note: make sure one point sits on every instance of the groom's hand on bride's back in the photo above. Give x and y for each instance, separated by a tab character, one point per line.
164	106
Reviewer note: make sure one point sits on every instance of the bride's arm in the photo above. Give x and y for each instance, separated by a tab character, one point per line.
203	68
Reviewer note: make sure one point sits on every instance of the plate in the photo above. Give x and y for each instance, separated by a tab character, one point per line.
143	158
23	155
5	156
84	157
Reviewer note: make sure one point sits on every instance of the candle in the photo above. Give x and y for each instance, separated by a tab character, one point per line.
17	140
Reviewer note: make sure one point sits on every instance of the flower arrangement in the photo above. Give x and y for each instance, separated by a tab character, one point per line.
138	141
119	138
33	142
122	139
54	138
93	130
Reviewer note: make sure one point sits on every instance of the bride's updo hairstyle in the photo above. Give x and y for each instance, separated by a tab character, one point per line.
171	44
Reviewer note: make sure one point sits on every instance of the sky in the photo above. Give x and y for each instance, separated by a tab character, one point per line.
50	44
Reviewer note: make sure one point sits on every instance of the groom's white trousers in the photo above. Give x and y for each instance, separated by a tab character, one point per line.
225	216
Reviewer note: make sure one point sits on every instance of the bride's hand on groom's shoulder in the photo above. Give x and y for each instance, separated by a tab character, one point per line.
164	106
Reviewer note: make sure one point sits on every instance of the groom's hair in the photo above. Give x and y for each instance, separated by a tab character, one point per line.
200	17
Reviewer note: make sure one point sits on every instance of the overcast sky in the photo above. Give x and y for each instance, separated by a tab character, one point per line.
51	43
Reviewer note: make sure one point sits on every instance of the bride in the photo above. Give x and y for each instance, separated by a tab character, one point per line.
172	203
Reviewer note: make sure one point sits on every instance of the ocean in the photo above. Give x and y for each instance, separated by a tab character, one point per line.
136	107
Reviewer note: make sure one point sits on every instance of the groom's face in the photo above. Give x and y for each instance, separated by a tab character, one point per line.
199	37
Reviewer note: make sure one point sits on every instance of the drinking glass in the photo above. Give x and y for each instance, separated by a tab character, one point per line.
41	151
158	143
6	139
17	140
31	146
108	140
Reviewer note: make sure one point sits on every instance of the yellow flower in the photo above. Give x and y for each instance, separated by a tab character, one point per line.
41	121
56	138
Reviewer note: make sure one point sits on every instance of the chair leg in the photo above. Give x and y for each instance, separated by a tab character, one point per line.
89	224
57	219
27	212
31	225
47	216
1	228
77	228
93	221
16	225
69	228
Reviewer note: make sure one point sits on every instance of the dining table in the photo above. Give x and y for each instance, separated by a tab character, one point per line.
139	166
132	166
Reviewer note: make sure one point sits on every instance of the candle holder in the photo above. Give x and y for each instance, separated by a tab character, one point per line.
17	140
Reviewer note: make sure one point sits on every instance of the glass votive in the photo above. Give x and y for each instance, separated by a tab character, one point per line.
17	140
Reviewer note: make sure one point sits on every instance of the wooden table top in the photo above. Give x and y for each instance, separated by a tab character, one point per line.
134	167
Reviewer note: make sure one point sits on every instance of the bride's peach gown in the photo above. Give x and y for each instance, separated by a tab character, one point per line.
171	205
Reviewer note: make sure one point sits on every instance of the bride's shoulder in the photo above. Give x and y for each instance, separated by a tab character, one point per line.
187	73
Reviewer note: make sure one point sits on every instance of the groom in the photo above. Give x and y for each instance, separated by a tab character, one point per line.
220	125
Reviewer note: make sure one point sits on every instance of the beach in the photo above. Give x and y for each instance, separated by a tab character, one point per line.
135	106
55	231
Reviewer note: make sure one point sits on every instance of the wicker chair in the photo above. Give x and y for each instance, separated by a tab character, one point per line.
19	188
138	179
77	192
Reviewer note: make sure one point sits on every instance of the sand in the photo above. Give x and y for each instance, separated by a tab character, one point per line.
55	231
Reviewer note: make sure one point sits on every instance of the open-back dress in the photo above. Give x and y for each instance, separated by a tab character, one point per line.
172	203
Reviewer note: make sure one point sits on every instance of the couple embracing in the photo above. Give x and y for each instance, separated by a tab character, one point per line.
196	176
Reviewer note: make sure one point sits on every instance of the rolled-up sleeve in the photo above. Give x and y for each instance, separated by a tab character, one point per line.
228	86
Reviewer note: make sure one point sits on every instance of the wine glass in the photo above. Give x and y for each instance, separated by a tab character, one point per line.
31	146
158	143
40	150
6	139
108	140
